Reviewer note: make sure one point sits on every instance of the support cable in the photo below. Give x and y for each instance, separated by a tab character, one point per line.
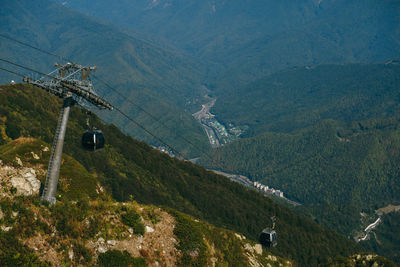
119	110
27	68
149	114
113	89
33	47
149	132
106	84
13	72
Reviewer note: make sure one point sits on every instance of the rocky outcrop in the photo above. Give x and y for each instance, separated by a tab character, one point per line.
26	182
23	179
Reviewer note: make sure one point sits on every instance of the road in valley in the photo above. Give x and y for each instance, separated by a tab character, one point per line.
369	228
204	114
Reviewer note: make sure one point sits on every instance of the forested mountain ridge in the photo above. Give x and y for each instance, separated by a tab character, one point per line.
317	164
245	40
336	170
300	97
159	80
127	167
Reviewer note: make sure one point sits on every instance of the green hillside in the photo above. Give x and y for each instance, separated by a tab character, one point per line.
127	168
299	97
72	186
78	231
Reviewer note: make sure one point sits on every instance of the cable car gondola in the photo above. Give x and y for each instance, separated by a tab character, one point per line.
268	238
93	140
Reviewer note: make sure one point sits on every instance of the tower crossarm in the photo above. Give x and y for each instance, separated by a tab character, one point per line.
87	95
50	87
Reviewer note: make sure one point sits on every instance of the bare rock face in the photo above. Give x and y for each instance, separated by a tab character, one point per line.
24	180
258	249
71	254
149	229
19	161
5	228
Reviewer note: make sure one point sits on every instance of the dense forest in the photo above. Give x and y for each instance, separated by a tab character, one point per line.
327	136
336	170
296	98
131	169
330	162
243	40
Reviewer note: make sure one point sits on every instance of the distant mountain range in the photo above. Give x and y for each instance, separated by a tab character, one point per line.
300	97
244	40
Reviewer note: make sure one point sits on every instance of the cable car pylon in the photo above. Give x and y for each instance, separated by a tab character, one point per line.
72	83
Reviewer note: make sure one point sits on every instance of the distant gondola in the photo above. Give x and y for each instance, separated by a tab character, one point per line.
268	238
93	140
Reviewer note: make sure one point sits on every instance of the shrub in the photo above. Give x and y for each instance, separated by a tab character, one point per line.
119	259
68	219
82	254
94	227
132	219
14	253
153	216
13	190
191	243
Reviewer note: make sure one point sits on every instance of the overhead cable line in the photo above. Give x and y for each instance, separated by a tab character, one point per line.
119	110
100	80
149	114
201	150
150	133
33	47
13	72
27	68
116	108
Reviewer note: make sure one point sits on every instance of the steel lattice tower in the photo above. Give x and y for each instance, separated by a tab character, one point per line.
70	82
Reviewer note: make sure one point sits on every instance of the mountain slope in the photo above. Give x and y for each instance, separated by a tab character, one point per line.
98	231
336	170
299	97
127	167
158	80
248	39
325	163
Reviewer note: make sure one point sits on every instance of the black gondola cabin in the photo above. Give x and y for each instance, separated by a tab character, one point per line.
268	238
93	140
